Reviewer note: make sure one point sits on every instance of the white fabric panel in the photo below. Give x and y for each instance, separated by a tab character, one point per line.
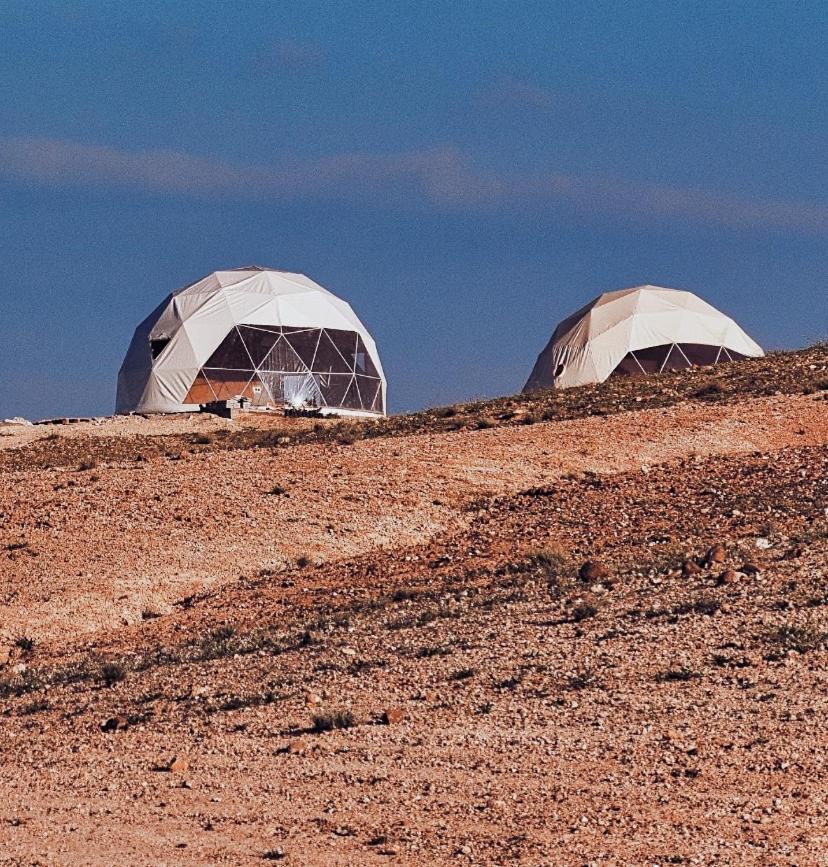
174	366
168	322
301	309
208	326
589	344
242	304
185	305
266	314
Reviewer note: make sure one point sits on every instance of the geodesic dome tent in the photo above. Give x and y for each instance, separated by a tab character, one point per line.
273	337
645	329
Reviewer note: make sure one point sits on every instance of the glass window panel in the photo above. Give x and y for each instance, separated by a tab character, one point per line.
304	343
628	366
328	358
259	341
652	358
231	354
352	399
200	391
369	390
332	387
227	384
364	363
698	353
258	393
676	360
347	343
282	358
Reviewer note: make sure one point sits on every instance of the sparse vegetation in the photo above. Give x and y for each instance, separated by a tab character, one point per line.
339	719
24	643
709	389
801	638
583	611
676	675
705	605
437	650
112	673
34	707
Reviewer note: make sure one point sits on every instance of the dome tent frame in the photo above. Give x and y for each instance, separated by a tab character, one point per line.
643	329
274	337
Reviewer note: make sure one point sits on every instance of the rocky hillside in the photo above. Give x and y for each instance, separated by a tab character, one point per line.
599	638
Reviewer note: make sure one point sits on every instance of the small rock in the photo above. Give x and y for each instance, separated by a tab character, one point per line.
593	571
690	567
349	651
297	747
763	542
465	850
727	577
5	655
179	765
393	716
114	723
312	699
716	554
749	569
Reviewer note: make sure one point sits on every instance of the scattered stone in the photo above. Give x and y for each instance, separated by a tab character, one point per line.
114	723
393	716
593	571
717	554
178	765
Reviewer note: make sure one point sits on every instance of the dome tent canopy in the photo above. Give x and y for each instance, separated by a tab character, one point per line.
644	329
274	337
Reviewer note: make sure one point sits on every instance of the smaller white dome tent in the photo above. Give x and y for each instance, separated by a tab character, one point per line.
645	329
273	337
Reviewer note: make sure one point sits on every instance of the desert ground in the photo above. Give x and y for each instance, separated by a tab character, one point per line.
562	629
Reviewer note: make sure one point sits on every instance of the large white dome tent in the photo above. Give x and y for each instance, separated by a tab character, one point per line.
274	337
640	330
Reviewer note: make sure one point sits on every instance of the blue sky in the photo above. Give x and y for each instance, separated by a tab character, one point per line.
464	173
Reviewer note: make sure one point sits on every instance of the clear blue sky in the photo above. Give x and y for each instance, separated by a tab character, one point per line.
464	173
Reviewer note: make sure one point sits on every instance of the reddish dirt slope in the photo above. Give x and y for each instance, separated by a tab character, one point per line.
592	641
105	546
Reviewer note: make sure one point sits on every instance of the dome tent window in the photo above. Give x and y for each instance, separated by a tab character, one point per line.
273	338
157	346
